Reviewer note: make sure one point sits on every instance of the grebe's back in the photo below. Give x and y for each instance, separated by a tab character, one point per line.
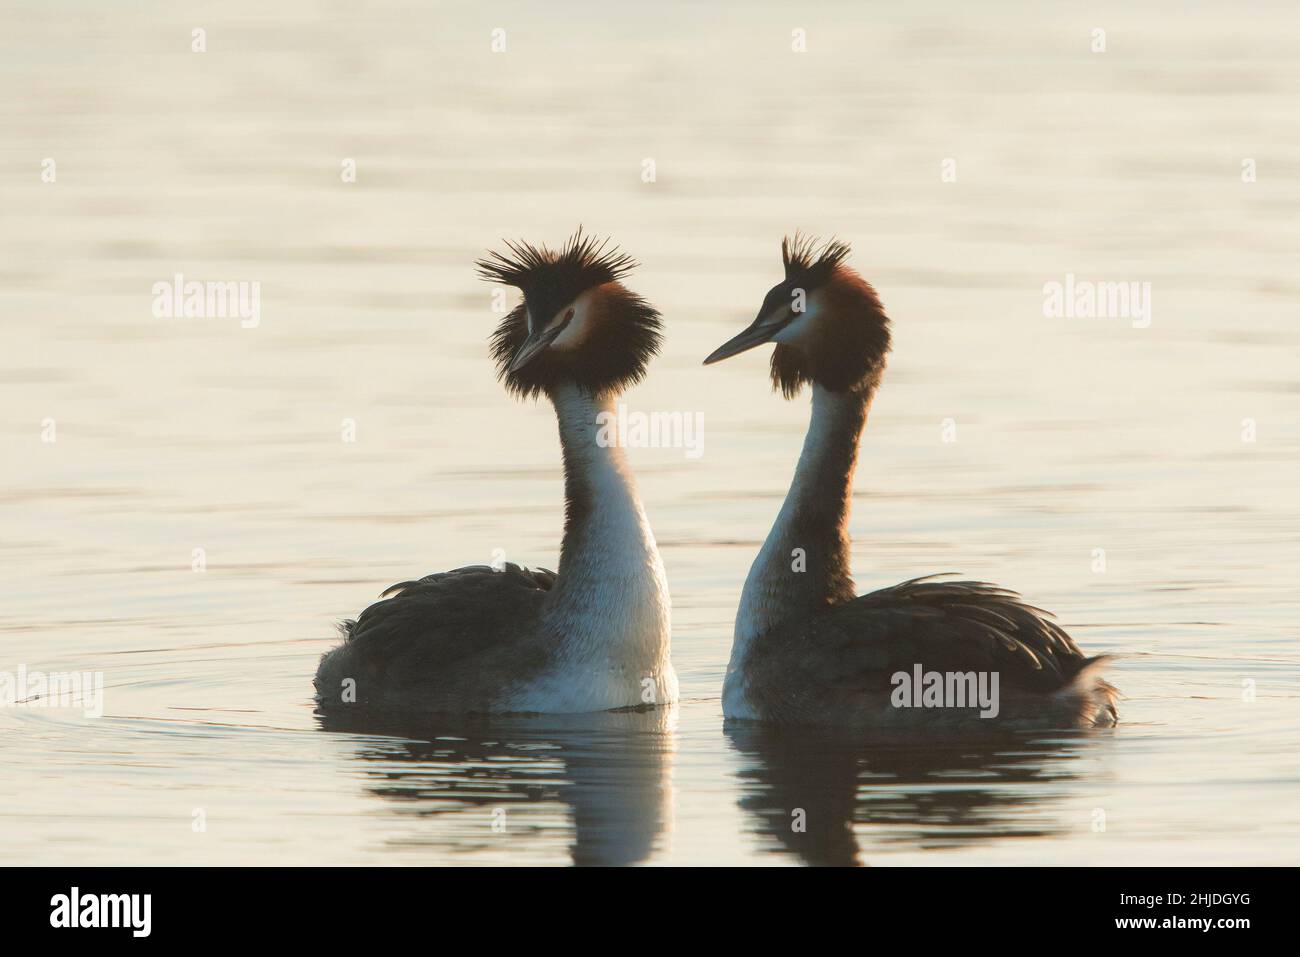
453	641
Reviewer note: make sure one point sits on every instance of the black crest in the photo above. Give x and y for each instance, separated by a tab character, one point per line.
624	332
550	279
806	265
855	339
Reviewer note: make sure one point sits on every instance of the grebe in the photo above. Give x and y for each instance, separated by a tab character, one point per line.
806	650
595	635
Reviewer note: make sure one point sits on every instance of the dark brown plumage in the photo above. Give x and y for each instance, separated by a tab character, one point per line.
623	336
440	644
855	360
843	659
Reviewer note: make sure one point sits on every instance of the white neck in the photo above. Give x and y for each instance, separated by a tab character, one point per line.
609	607
803	566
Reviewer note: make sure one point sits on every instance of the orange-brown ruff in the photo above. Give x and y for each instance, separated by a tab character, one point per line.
807	649
593	636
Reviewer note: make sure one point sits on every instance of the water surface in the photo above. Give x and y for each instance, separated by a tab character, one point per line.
1071	435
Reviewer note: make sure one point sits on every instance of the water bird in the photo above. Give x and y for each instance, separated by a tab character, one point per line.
593	636
807	650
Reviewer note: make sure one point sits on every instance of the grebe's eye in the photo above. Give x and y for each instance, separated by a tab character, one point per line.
568	315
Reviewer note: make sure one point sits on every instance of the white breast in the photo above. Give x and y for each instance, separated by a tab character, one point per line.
611	610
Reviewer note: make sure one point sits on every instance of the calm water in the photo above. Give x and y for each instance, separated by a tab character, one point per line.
1071	435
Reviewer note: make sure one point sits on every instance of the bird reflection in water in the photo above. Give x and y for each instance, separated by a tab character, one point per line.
609	771
804	790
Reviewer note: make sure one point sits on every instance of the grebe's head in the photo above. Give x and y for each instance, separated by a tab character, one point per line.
578	323
827	322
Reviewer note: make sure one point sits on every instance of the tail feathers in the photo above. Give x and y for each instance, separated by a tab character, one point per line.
1091	697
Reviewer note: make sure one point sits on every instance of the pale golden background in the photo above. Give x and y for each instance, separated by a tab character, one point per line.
1072	435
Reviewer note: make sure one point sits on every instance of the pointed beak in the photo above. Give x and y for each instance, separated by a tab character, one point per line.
533	346
761	330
